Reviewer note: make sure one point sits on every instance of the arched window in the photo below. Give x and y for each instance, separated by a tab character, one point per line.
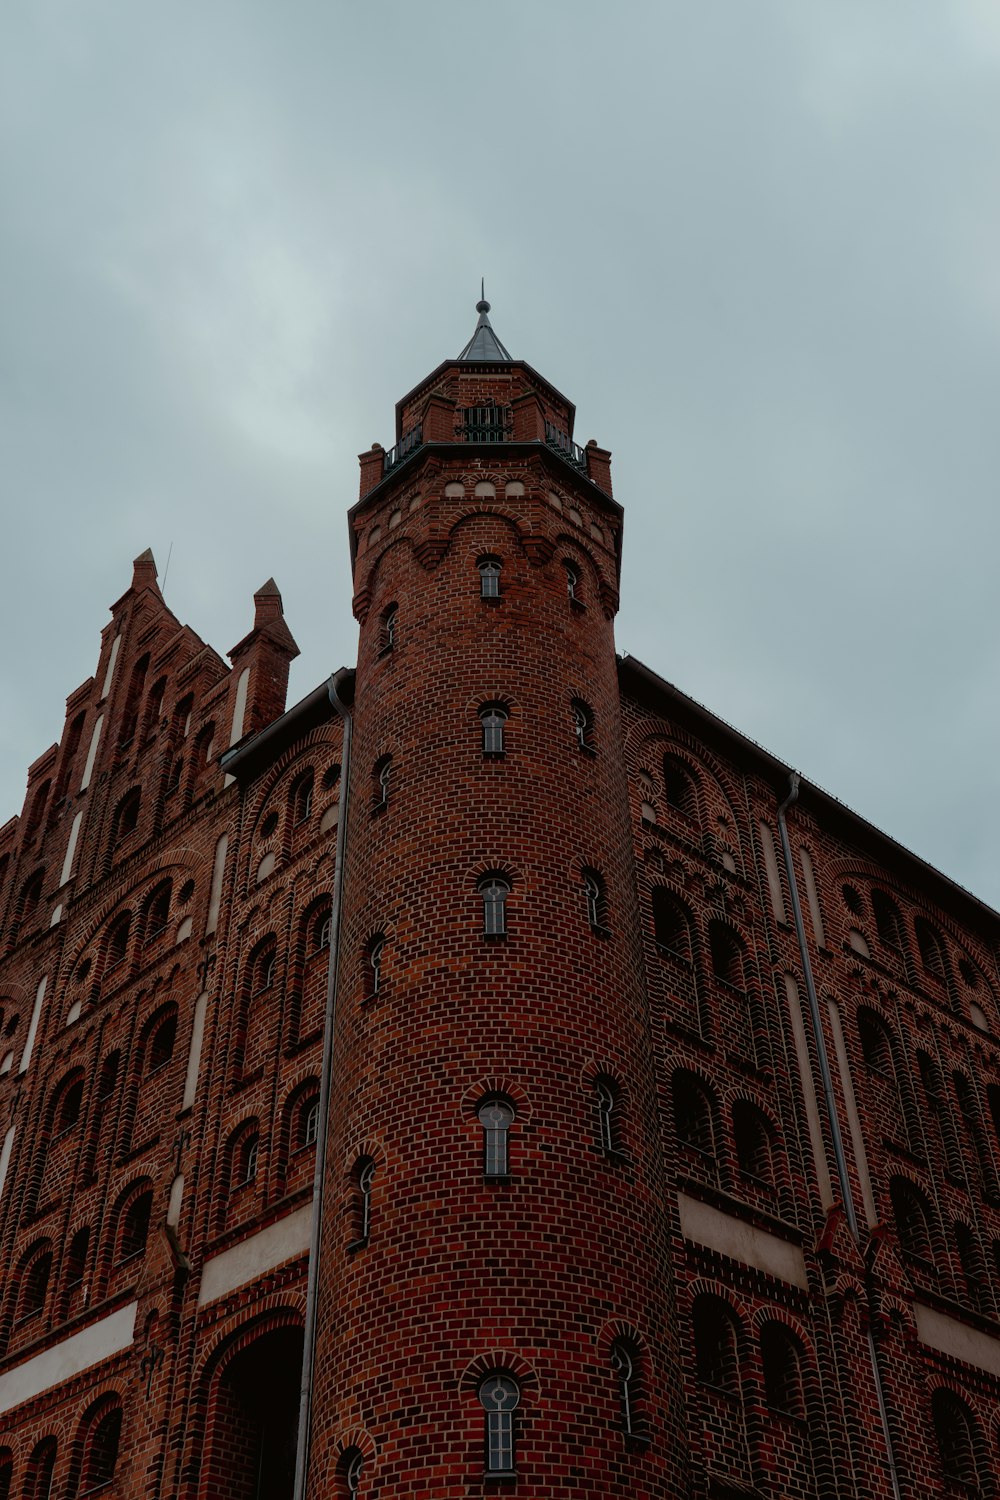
37	809
496	1117
109	1075
35	1284
349	1471
381	777
494	891
376	946
76	1259
489	577
68	1106
158	911
955	1431
876	1048
6	1473
671	924
912	1221
888	922
134	1229
100	1453
31	894
583	724
160	1047
322	928
596	898
606	1097
716	1344
493	718
116	949
648	792
244	1152
752	1134
694	1115
973	1273
780	1358
624	1363
307	1122
572	583
931	948
499	1396
41	1471
389	627
263	971
679	787
727	955
302	793
364	1182
127	816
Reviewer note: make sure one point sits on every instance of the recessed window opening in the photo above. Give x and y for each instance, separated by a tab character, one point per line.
76	1258
499	1396
572	584
623	1363
351	1468
158	912
494	891
716	1345
309	1121
375	950
679	787
583	724
727	955
36	1286
128	815
161	1043
264	971
955	1433
118	942
302	795
912	1224
596	899
102	1452
931	949
382	774
782	1377
888	922
693	1115
135	1226
70	1106
364	1176
493	718
752	1133
389	627
489	578
606	1096
671	924
247	1156
496	1117
321	930
875	1046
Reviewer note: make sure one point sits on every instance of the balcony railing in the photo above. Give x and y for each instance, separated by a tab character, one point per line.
566	446
486	424
406	445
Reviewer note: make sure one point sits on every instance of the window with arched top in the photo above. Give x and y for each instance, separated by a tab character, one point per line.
37	811
134	1226
34	1284
493	718
913	1222
607	1100
671	924
364	1183
499	1397
75	1267
625	1367
753	1137
264	965
373	961
245	1153
101	1443
595	895
307	1122
726	952
679	787
583	724
390	618
931	948
40	1472
489	577
381	780
158	911
572	583
302	797
69	1104
321	930
349	1472
876	1048
116	946
781	1357
955	1431
496	1116
160	1046
716	1344
973	1269
108	1080
694	1115
888	921
494	890
127	816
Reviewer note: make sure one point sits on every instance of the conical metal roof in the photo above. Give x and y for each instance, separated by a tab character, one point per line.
484	344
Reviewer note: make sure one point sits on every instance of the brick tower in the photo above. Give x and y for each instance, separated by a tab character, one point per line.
494	1289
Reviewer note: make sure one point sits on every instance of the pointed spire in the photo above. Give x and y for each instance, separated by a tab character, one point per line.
144	572
484	345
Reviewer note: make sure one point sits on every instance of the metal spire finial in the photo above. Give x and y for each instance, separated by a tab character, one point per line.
482	306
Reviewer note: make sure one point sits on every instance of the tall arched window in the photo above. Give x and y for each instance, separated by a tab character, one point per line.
322	927
596	898
671	924
694	1115
583	724
76	1259
390	619
307	1122
912	1221
101	1443
301	797
6	1472
364	1182
752	1134
381	781
41	1471
489	577
376	946
116	948
888	922
493	718
931	948
973	1273
606	1098
68	1105
134	1230
160	1046
679	787
263	970
158	911
496	1117
624	1363
494	891
349	1471
727	955
716	1344
572	583
954	1428
780	1358
35	1283
499	1396
244	1155
127	816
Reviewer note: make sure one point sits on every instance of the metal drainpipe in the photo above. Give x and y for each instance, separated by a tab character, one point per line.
325	1084
831	1103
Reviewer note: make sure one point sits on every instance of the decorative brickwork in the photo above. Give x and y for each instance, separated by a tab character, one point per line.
631	1187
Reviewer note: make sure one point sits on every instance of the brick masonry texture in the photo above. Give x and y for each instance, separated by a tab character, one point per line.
672	1205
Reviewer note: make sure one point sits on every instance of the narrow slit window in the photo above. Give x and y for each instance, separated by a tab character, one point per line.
496	1117
623	1364
500	1397
494	892
493	720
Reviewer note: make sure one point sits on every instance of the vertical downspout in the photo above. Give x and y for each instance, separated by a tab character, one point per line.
325	1086
833	1117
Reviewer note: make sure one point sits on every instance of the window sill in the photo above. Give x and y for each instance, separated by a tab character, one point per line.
578	606
491	600
600	931
494	755
494	937
357	1245
611	1156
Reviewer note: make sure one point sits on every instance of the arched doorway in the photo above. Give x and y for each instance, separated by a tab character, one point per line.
253	1420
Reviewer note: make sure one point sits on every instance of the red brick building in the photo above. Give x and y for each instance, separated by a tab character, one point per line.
656	1095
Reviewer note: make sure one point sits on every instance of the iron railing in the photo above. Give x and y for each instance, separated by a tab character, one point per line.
413	439
566	446
486	424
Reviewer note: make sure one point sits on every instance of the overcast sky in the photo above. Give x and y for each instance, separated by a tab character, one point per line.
758	244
